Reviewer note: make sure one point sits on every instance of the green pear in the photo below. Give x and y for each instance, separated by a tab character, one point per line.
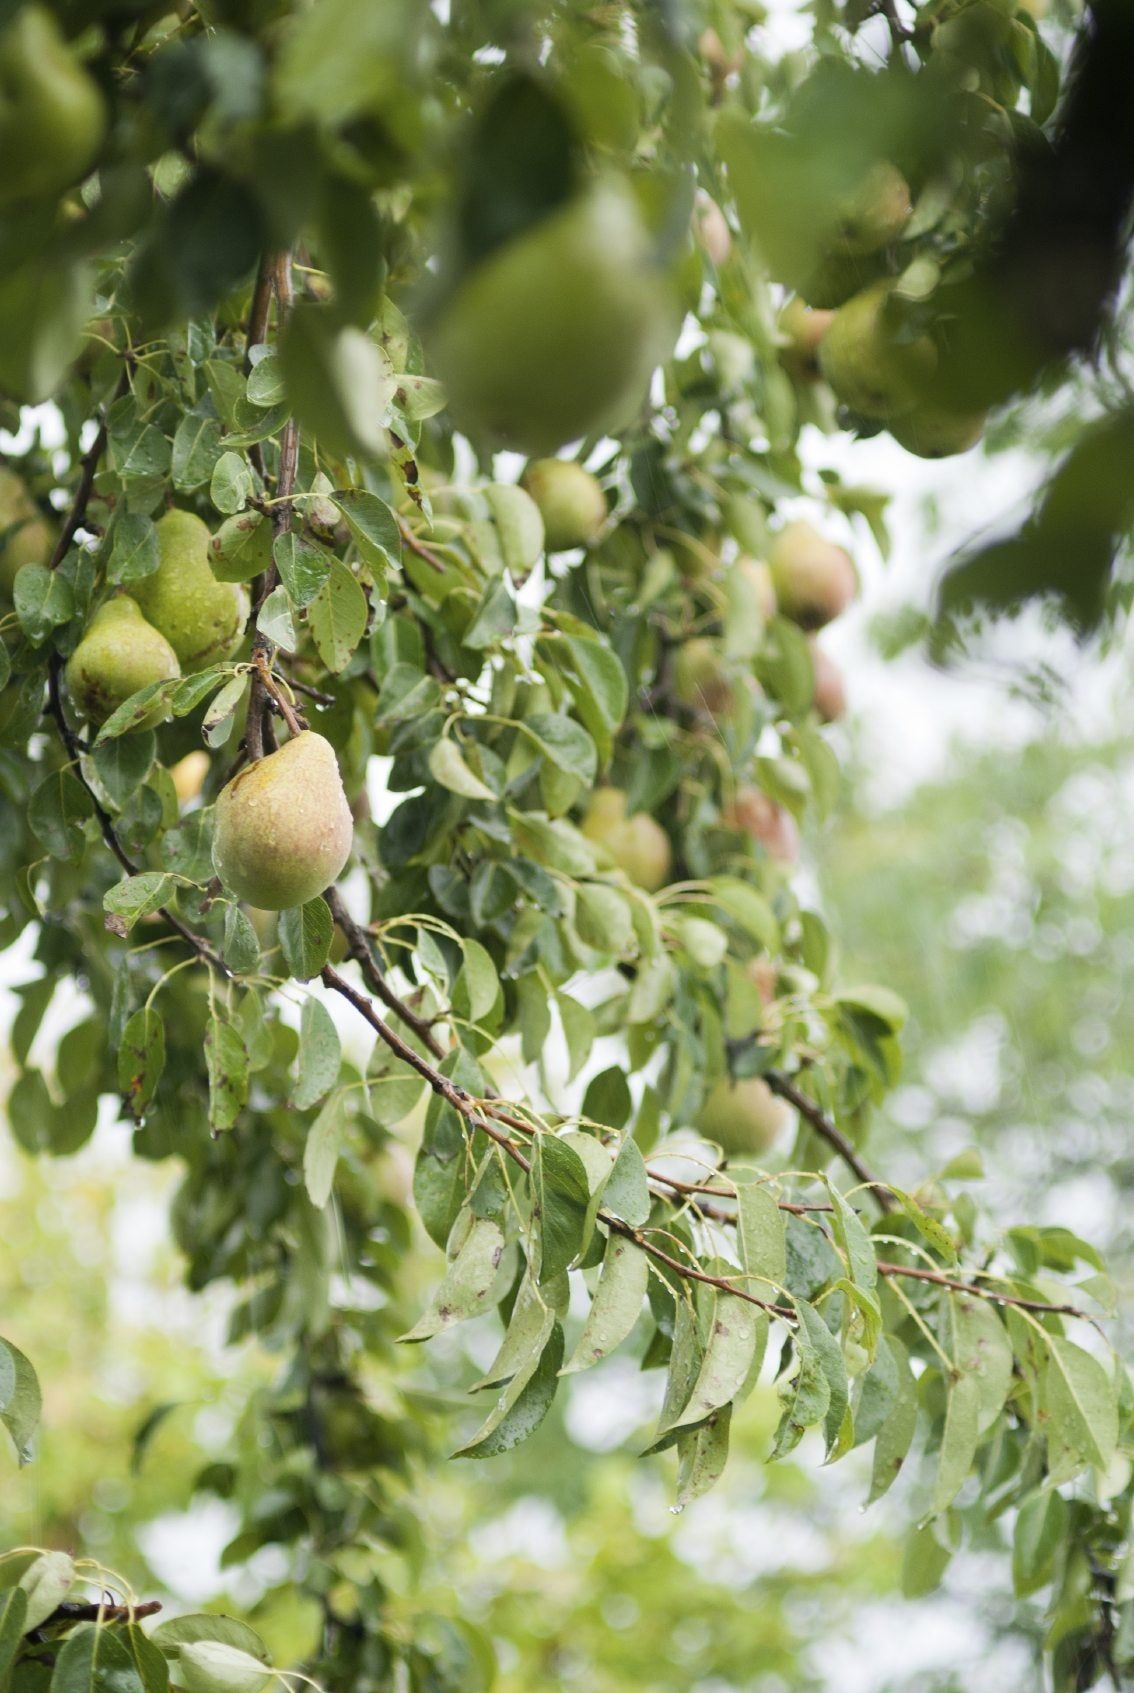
743	1116
119	653
555	334
802	329
283	825
765	822
700	680
934	433
876	212
26	537
835	278
571	502
52	115
814	579
638	845
202	619
872	370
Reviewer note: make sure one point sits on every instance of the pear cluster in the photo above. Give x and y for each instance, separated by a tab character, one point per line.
847	325
175	621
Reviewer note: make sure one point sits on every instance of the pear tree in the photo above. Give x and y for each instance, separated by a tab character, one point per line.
407	660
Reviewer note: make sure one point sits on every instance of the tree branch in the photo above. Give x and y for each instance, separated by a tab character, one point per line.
834	1136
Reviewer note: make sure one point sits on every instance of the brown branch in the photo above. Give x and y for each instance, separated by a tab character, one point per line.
979	1291
834	1136
410	540
74	1611
88	470
360	949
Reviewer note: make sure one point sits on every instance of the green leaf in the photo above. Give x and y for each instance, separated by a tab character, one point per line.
470	1284
748	909
879	1003
231	485
336	617
93	1660
373	525
924	1562
136	897
322	1147
339	382
319	1057
169	1637
43	600
196	447
564	743
303	567
47	1583
241	547
958	1440
127	716
241	946
1082	1412
597	684
560	1197
20	1399
729	1352
897	1432
1041	1529
616	1305
275	619
447	767
979	1347
141	1059
702	1455
305	935
480	981
761	1239
226	1060
265	386
522	1406
123	765
13	1611
626	1193
58	809
134	552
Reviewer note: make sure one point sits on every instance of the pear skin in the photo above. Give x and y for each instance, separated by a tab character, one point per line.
930	432
876	213
814	579
555	334
202	619
26	537
283	826
119	653
52	117
571	502
871	370
638	845
743	1116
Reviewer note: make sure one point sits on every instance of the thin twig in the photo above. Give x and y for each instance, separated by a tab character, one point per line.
978	1291
834	1136
410	540
360	949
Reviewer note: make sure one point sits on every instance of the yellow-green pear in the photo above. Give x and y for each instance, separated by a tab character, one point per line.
802	328
743	1116
829	694
765	822
26	537
119	653
814	579
934	433
52	115
876	212
202	619
700	679
188	775
638	845
283	825
555	334
871	369
571	502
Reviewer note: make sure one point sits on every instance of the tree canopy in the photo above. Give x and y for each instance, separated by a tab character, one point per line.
410	707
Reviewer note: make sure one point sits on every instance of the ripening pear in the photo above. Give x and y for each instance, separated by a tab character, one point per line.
934	433
570	499
700	680
743	1116
814	579
52	115
555	334
202	619
765	822
710	227
188	775
836	278
638	845
759	587
283	825
802	328
119	653
876	212
829	694
869	367
26	537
